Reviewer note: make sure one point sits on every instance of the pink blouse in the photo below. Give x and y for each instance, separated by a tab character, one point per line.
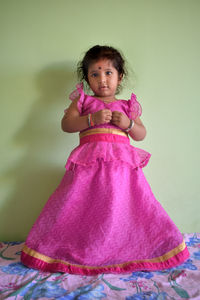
88	154
90	104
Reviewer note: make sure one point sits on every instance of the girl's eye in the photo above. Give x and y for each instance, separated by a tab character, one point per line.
108	73
94	75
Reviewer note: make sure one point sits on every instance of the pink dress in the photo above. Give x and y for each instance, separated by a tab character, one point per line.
103	217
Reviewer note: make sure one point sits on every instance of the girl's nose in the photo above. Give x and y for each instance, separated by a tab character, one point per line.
102	78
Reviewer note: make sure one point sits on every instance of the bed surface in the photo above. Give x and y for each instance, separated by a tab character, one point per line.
19	282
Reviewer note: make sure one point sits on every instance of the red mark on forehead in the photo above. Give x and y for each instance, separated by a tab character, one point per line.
99	68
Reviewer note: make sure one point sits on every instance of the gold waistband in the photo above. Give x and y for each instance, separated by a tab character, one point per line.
103	130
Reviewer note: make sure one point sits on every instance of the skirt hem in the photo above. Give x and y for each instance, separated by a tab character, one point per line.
140	265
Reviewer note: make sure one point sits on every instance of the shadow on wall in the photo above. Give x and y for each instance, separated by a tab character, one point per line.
35	179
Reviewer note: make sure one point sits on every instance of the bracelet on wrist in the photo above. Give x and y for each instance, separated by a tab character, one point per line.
90	121
130	126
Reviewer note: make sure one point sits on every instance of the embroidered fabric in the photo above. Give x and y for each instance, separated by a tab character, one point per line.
90	153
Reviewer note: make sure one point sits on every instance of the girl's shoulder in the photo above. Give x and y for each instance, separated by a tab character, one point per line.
79	94
132	107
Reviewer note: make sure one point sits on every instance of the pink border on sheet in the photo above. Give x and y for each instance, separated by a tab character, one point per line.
36	263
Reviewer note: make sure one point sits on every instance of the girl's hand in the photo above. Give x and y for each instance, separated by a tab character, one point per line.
120	120
102	116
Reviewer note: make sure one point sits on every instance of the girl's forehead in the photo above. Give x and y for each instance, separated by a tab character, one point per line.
101	64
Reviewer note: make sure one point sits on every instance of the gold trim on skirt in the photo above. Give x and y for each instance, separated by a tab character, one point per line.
162	258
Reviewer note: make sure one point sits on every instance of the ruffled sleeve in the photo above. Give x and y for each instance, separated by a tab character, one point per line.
135	109
76	93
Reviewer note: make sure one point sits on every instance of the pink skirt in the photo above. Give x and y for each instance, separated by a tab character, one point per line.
103	218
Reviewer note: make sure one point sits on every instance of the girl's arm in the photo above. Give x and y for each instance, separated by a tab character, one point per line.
73	122
138	132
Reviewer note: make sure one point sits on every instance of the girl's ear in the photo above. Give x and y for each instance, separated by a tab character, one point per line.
120	78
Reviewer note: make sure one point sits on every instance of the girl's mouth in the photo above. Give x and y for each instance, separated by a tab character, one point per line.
103	87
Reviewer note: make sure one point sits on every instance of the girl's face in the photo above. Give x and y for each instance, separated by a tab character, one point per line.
103	79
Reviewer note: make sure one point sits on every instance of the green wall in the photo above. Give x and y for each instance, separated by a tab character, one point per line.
41	42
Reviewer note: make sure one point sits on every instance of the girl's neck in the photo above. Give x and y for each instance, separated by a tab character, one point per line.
105	99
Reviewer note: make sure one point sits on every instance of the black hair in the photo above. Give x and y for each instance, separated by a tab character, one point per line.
101	52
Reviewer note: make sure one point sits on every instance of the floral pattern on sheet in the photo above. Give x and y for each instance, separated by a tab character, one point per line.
19	282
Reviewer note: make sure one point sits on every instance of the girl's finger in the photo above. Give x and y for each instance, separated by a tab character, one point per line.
108	119
115	118
108	111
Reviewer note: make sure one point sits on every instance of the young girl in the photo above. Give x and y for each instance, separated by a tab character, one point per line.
103	217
